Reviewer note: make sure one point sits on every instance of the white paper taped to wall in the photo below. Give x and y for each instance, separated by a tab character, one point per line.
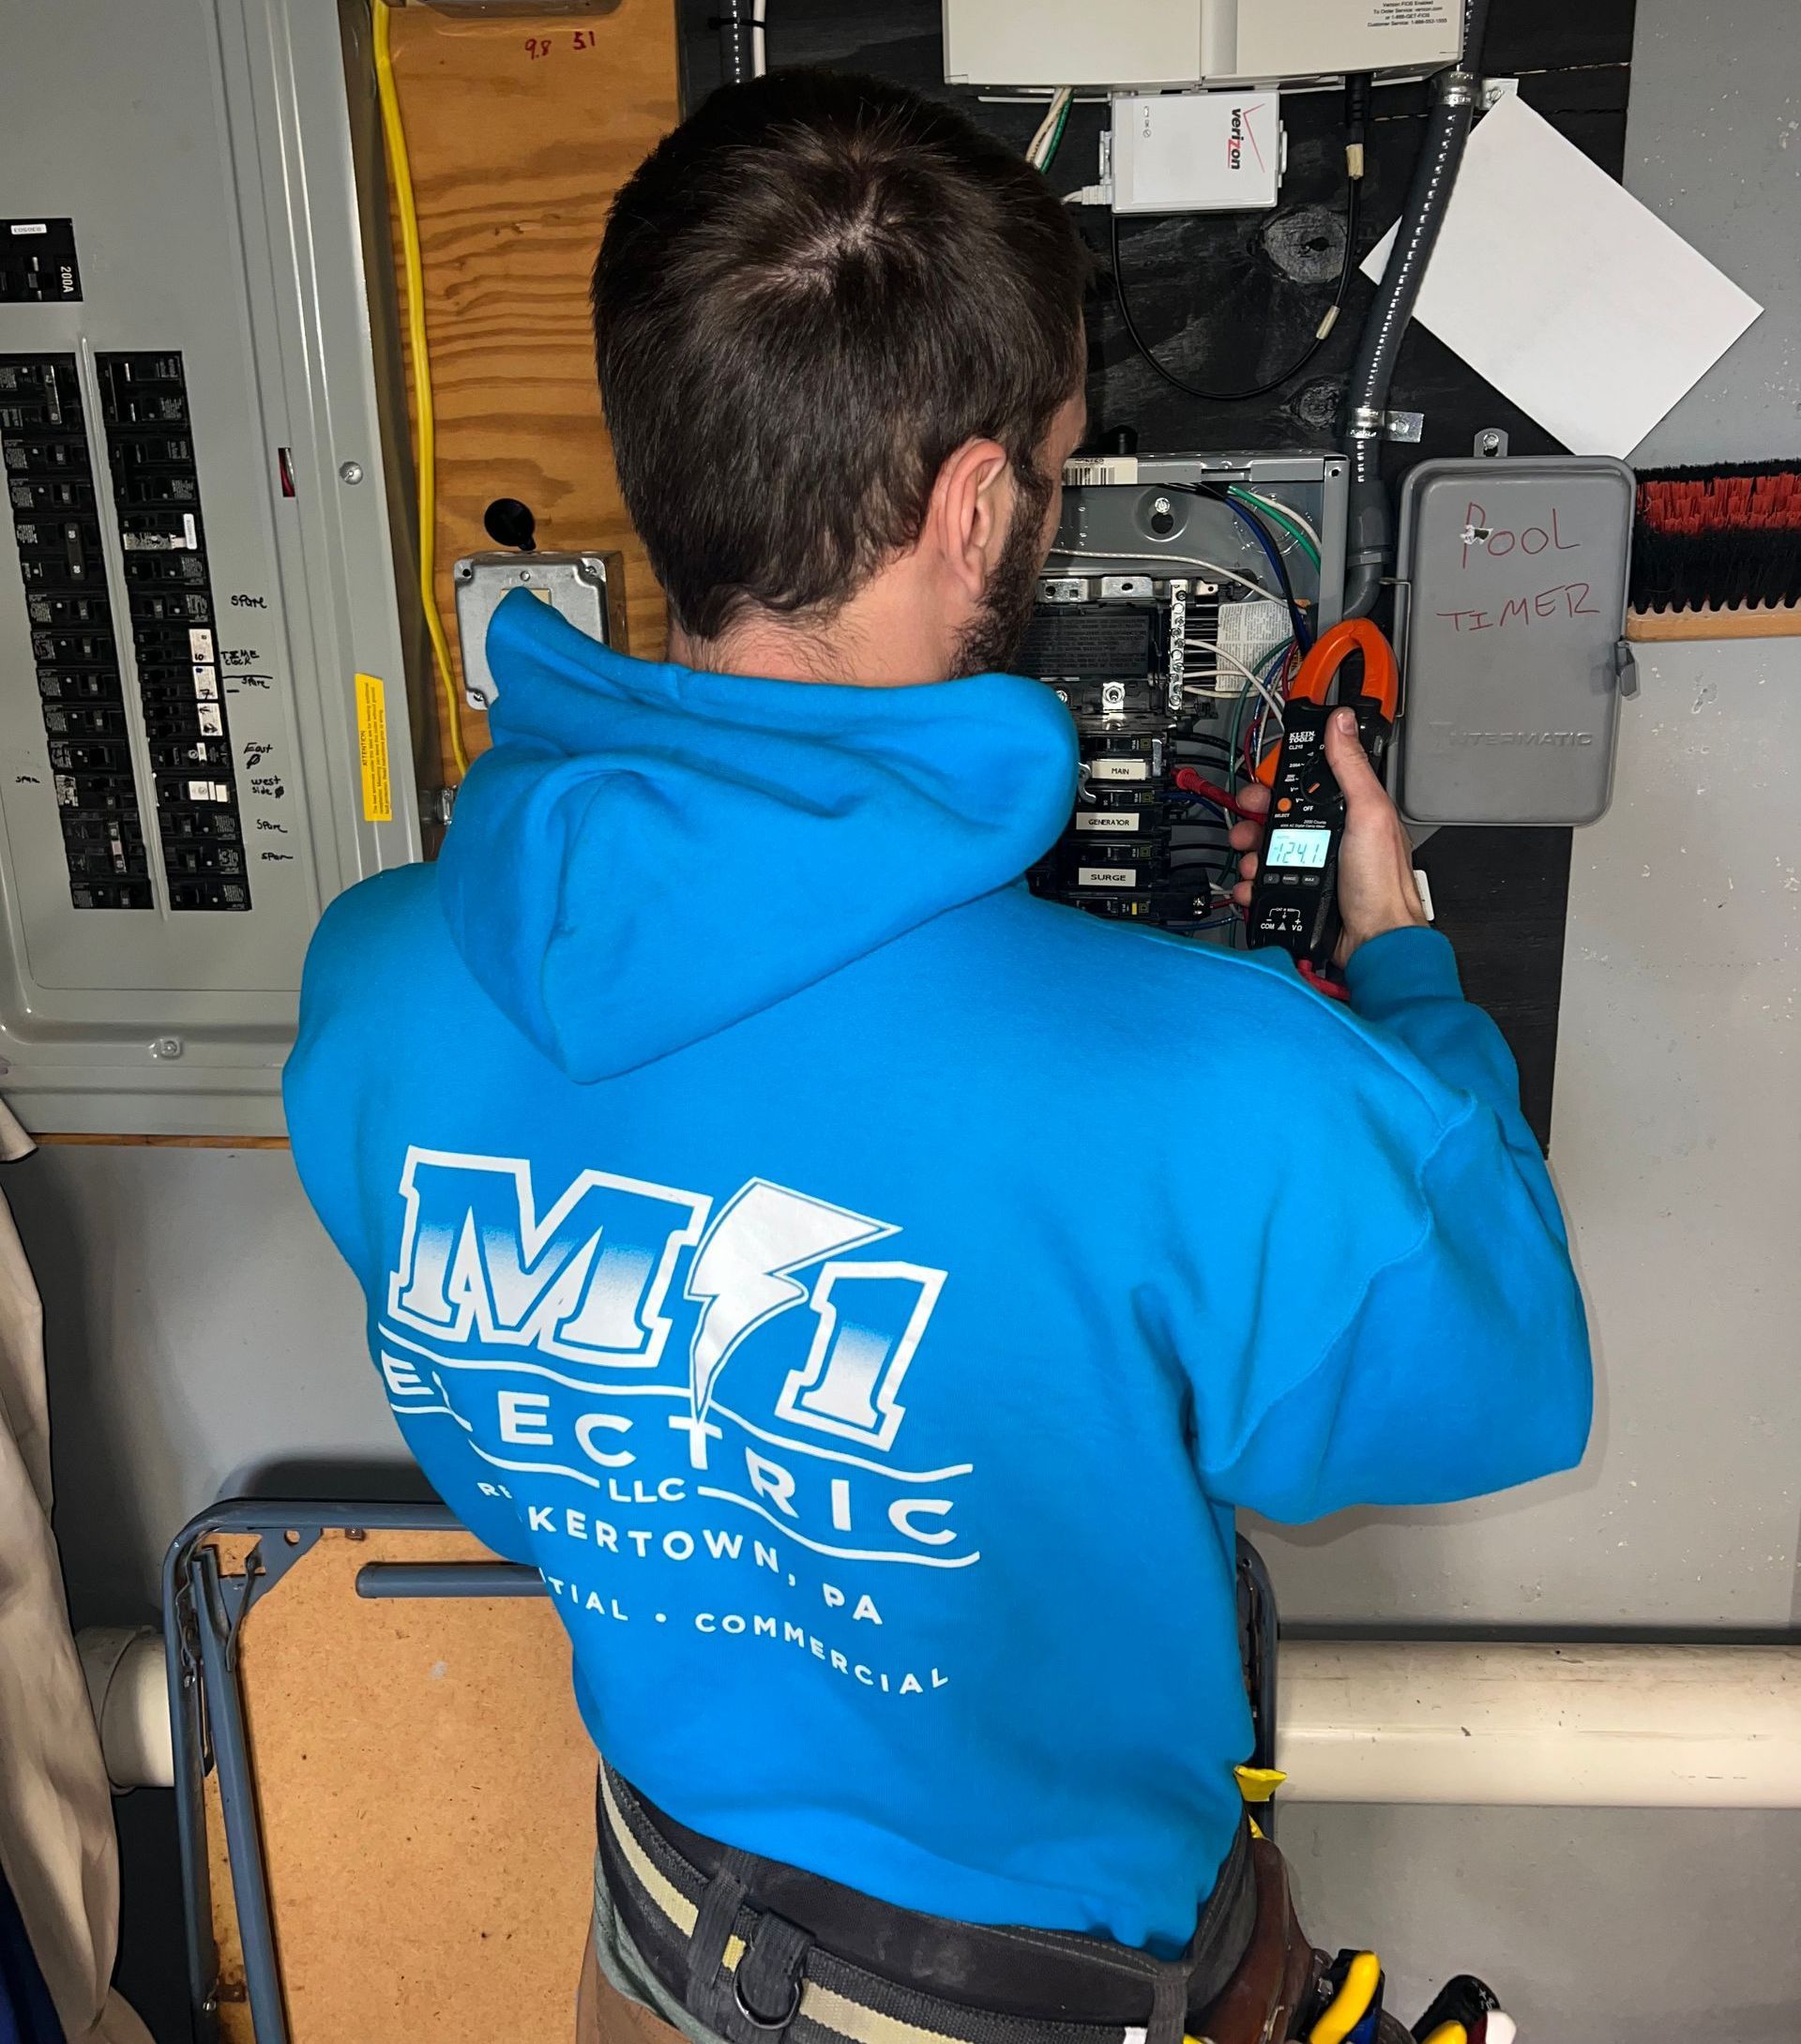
1573	299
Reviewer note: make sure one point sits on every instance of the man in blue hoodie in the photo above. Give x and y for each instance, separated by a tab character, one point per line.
821	1258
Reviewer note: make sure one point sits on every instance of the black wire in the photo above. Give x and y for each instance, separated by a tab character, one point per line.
1272	551
1353	213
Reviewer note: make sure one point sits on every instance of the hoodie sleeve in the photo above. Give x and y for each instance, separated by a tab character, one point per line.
1462	1367
332	1105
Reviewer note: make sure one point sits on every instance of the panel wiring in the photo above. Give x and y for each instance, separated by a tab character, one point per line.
1177	560
1260	534
1173	641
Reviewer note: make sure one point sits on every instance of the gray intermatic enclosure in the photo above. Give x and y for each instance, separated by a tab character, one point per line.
1510	625
204	728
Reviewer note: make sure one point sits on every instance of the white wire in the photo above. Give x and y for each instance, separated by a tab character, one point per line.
1048	127
1274	700
1220	653
1181	560
1287	510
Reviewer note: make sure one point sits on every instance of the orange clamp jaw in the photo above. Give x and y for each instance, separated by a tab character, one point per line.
1293	899
1328	653
1380	694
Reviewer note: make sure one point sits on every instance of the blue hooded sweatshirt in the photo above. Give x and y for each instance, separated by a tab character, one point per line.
867	1291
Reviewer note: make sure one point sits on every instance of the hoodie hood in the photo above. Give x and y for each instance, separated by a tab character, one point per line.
649	855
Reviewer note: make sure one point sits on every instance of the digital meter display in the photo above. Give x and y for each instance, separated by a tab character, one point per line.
1291	847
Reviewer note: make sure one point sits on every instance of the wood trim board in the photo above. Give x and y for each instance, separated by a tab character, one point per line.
1761	621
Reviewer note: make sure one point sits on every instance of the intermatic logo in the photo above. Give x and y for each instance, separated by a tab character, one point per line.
1522	737
587	1339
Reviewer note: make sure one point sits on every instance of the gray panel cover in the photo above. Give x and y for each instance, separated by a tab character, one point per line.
1511	622
203	150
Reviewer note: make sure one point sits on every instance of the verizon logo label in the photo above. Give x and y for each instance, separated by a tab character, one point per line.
1242	135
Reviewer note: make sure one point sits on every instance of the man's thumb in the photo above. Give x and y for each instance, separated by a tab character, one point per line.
1348	760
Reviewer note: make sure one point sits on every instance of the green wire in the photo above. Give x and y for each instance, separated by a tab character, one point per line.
1056	136
1278	516
1275	514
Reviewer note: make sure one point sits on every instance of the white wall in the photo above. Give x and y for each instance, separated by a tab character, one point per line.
200	1327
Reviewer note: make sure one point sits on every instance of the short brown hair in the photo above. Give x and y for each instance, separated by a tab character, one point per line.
808	296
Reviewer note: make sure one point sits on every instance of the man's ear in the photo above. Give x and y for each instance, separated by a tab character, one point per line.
970	512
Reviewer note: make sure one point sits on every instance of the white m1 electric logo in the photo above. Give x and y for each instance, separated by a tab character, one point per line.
587	1283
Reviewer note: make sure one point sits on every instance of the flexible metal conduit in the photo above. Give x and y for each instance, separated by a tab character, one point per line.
741	40
1370	534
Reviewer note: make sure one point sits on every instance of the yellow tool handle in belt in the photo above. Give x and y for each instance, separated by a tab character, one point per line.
1351	2004
1449	2032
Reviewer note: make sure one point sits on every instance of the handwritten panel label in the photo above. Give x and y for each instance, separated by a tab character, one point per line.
1538	600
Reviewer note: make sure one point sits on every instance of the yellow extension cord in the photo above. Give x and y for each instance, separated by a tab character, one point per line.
425	436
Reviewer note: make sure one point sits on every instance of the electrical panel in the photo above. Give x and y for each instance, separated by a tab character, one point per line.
205	721
1161	622
1177	43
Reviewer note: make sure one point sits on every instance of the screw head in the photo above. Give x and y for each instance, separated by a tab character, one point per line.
350	472
1161	505
166	1047
1491	442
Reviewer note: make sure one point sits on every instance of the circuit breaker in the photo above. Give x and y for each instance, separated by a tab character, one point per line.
1162	623
205	721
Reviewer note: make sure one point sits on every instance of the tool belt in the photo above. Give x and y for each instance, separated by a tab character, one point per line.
757	1951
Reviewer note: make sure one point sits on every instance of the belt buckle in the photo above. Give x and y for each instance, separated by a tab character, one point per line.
749	2014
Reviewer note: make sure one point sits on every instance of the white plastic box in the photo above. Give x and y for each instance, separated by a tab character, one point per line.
1131	44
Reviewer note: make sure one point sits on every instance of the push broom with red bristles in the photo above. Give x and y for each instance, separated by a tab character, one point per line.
1717	552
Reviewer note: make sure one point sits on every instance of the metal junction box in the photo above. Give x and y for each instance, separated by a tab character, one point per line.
589	589
205	728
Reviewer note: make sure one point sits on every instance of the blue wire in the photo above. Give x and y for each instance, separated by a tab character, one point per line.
1259	532
1186	794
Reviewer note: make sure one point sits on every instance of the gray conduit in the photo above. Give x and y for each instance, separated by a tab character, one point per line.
741	40
1369	540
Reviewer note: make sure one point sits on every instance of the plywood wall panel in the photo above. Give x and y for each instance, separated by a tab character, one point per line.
521	131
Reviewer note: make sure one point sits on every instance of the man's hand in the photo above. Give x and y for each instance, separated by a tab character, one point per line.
1376	888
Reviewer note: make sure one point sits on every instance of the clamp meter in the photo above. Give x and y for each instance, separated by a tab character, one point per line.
1295	902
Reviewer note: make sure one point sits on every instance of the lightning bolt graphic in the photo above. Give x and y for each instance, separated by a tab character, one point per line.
741	1271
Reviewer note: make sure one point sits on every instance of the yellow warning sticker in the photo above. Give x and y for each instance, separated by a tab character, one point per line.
371	749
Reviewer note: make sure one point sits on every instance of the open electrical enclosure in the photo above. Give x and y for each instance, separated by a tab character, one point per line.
1162	625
